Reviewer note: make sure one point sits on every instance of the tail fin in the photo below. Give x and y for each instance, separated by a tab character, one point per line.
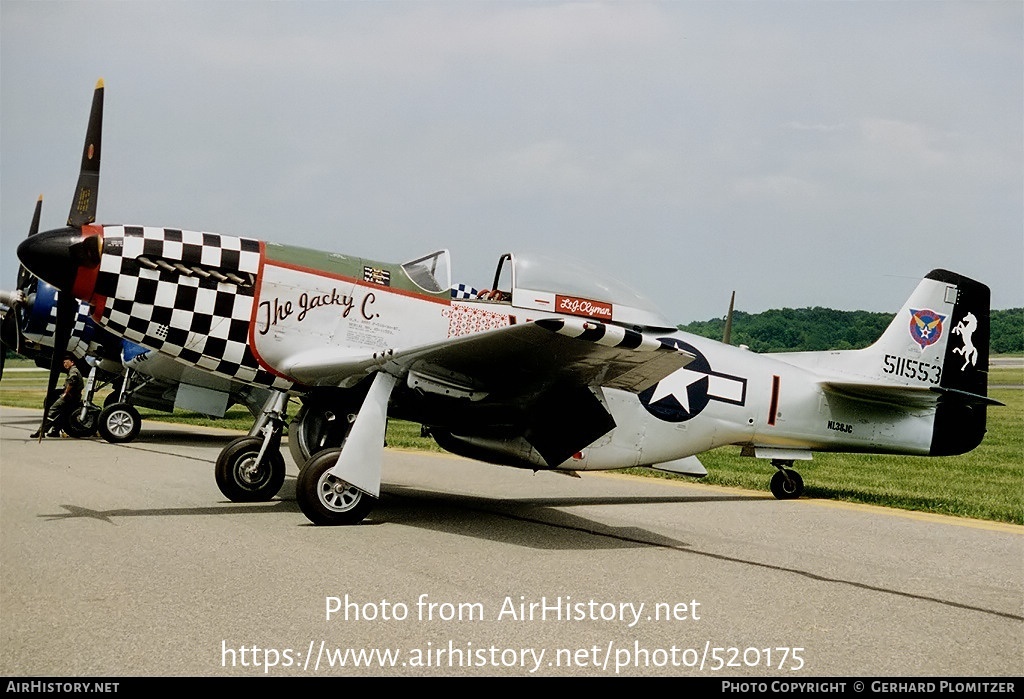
942	333
960	415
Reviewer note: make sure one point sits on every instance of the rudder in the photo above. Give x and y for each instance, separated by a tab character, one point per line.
960	413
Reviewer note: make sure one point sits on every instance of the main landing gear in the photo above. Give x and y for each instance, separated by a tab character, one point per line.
251	468
786	483
326	499
340	486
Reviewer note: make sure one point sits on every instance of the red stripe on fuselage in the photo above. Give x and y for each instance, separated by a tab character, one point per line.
85	277
773	407
252	318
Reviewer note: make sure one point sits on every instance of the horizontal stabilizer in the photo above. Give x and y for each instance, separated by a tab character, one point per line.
913	396
893	394
966	396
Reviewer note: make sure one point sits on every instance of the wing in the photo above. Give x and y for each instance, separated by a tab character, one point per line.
515	358
537	378
526	358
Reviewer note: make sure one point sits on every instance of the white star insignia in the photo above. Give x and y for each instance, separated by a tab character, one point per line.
677	385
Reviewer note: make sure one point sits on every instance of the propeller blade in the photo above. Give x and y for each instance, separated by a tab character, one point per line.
25	278
34	226
83	206
67	310
727	335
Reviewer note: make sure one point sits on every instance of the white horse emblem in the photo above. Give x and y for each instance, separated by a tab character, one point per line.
965	329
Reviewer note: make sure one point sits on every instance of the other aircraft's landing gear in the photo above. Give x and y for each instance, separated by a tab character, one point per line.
786	483
327	500
119	423
251	468
81	422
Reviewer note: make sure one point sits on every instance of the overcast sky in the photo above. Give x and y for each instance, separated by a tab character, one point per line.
799	153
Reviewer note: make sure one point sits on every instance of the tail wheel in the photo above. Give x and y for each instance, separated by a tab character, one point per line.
119	423
244	478
787	484
326	499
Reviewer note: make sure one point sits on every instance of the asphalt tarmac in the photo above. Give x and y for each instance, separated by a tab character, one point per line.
126	560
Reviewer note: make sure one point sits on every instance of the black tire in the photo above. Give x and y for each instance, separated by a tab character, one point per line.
80	428
784	488
241	479
119	423
326	500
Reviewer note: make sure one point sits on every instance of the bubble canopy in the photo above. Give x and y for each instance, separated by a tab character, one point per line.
569	286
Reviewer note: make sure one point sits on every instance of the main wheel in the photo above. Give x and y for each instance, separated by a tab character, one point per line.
243	479
78	427
326	499
119	423
785	488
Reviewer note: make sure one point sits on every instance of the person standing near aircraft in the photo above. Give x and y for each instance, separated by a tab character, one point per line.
69	398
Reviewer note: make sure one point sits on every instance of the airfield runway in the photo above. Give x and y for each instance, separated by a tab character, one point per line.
127	561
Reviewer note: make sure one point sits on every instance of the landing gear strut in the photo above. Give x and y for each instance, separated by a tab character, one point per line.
786	483
251	468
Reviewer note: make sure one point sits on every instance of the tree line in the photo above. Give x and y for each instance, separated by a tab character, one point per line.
815	329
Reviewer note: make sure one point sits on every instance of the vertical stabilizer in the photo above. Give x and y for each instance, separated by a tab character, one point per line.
940	340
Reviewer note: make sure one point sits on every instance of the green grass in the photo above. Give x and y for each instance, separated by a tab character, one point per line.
987	483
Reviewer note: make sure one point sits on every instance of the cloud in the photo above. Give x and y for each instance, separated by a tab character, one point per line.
911	144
